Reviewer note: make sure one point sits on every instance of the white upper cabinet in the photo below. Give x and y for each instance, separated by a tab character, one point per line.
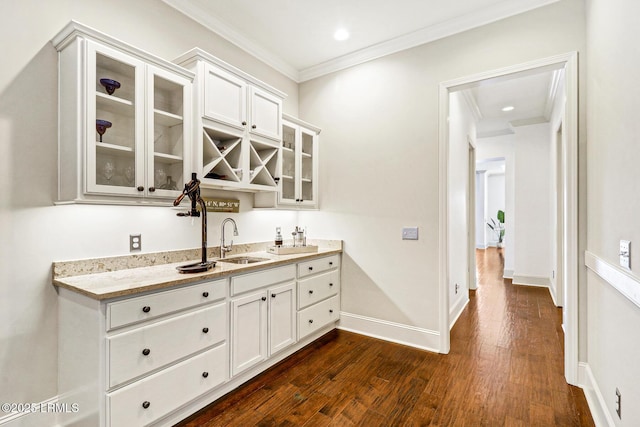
238	126
298	184
125	121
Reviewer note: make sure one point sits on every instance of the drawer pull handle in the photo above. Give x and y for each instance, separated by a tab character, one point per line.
330	284
310	320
253	126
330	262
264	298
205	374
146	352
310	268
205	330
244	123
273	295
140	188
205	294
311	291
146	309
330	311
146	404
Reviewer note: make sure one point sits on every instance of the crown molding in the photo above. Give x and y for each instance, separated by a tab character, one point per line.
466	22
228	33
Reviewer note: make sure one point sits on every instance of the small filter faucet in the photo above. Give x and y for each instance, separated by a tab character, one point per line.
192	190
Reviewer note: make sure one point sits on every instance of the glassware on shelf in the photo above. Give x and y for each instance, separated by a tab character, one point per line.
102	126
129	176
169	185
110	85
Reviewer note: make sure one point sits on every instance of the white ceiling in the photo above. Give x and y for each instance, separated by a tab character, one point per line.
296	36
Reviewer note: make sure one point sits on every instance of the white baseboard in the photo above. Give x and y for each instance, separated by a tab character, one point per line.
531	281
412	336
457	310
597	404
481	247
43	413
507	274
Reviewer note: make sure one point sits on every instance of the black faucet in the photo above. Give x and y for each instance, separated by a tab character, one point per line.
192	190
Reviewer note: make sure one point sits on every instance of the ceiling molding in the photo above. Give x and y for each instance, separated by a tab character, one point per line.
466	22
529	121
492	133
472	104
556	78
228	33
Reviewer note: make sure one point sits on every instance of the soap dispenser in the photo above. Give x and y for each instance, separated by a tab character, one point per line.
278	238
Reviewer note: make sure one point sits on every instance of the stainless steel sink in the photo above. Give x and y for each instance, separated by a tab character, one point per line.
242	260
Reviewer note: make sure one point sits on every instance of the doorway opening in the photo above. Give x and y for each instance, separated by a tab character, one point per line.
563	220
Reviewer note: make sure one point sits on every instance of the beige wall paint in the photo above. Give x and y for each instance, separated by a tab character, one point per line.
613	196
33	232
380	154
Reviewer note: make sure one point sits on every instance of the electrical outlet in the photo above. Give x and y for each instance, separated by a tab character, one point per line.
135	242
618	403
625	254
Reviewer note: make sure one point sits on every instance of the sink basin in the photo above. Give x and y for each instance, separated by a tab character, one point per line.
242	260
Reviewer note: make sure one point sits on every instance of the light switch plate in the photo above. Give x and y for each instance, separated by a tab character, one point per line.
625	254
409	233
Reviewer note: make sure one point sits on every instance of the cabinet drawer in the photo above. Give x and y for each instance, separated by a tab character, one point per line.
318	265
317	316
167	389
261	279
317	288
145	349
121	313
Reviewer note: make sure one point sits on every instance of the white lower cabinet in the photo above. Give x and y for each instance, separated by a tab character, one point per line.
156	358
263	320
145	401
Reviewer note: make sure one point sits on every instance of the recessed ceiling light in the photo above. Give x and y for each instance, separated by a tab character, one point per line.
508	108
341	34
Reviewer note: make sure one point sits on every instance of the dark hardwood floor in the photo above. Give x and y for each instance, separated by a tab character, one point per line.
505	368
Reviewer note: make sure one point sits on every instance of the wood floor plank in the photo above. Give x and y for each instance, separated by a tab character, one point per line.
505	368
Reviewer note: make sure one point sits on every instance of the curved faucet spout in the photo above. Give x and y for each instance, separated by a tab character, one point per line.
223	248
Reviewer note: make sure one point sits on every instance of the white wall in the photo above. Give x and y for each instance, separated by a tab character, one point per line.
532	202
379	151
496	200
481	241
613	199
462	132
33	232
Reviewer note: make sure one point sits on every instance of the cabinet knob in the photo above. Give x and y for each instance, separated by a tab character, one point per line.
146	352
273	295
140	188
330	311
310	320
205	374
146	404
205	294
146	309
310	268
244	123
264	298
253	126
311	291
205	330
152	189
330	284
330	262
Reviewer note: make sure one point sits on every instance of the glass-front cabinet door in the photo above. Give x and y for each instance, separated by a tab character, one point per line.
114	128
168	133
299	183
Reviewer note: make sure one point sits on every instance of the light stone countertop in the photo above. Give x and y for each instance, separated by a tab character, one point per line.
107	278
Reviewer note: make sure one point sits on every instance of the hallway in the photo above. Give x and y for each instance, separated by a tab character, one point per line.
505	368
